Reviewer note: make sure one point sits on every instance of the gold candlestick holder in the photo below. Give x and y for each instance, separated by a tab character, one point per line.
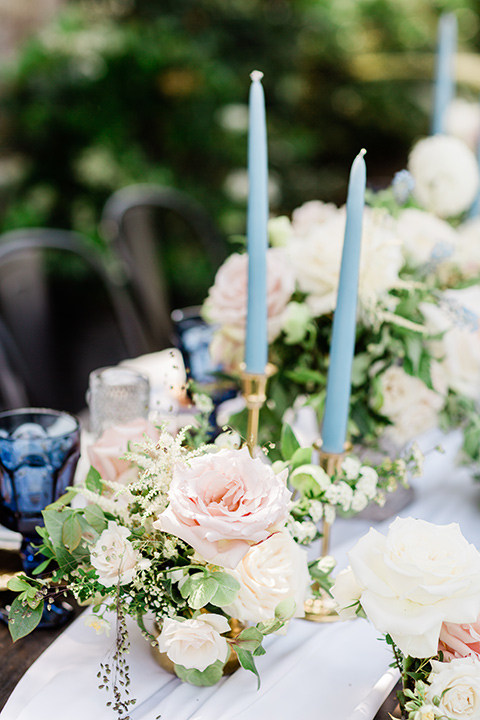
322	608
254	387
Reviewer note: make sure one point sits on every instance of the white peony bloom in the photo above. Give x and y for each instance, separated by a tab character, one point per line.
114	557
446	177
195	643
270	572
426	238
413	580
458	351
462	120
457	685
316	254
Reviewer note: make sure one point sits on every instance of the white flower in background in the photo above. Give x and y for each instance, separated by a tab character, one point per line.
351	467
114	557
229	440
236	186
195	643
445	171
316	255
413	580
202	402
329	514
457	686
233	117
270	572
99	624
310	214
462	120
296	321
425	712
316	510
467	254
457	317
340	494
359	501
409	404
368	481
425	237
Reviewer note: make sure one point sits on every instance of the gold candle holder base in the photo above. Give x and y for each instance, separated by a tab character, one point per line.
322	608
254	387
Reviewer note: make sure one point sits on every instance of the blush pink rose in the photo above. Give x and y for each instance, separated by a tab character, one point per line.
105	454
223	503
458	641
226	304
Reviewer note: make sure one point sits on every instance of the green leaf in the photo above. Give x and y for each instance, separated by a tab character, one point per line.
63	500
22	619
19	583
360	366
43	566
249	639
227	589
71	532
199	589
288	442
246	661
95	517
201	678
302	456
93	481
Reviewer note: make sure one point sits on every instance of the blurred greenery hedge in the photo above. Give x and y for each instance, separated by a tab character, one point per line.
124	91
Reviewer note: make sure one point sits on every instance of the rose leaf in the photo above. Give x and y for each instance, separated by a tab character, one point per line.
22	619
227	589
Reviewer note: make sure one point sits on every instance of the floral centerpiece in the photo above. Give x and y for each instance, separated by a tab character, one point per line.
198	542
417	349
420	587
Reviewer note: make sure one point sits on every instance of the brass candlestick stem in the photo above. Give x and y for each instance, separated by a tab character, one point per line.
322	609
254	391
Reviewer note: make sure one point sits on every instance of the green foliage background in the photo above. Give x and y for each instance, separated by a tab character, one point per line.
123	91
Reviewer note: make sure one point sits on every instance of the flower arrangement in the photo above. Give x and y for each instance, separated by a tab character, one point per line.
193	540
420	586
417	347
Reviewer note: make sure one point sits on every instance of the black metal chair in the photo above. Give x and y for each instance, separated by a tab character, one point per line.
155	230
64	310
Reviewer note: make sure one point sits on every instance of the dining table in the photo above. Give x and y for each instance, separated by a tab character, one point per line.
315	671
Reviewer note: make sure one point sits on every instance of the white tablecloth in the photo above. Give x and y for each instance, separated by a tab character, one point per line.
315	672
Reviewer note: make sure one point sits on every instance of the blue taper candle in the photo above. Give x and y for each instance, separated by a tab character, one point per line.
444	70
342	347
256	344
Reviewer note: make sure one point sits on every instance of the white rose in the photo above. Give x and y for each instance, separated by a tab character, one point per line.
445	171
195	643
270	572
409	404
316	255
467	254
313	212
457	685
114	557
457	317
427	711
415	578
346	592
425	237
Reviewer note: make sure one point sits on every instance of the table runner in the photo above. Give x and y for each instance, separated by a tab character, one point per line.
315	672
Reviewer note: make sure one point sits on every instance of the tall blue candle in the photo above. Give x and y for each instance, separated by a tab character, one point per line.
342	347
444	70
256	345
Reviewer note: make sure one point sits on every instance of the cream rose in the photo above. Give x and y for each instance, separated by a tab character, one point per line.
445	171
273	571
105	454
457	317
409	404
412	580
457	685
195	643
226	304
316	255
114	557
467	254
222	504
